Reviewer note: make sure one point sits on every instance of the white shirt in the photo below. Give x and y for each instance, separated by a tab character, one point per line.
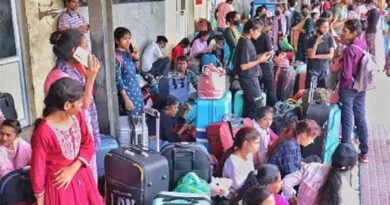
151	54
237	169
265	139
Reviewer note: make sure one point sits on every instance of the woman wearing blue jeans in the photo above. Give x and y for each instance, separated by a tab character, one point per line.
352	101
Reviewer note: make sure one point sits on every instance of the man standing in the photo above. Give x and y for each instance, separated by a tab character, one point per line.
220	14
372	22
340	15
71	18
153	61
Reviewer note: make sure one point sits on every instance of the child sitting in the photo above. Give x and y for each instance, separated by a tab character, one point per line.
15	153
267	176
239	158
217	47
262	124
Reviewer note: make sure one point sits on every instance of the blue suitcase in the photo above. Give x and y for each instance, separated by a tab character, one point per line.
16	188
175	86
238	102
332	133
209	111
108	143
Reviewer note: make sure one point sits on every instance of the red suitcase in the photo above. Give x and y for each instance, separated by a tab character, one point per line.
220	135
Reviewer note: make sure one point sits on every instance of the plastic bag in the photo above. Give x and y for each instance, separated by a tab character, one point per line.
191	183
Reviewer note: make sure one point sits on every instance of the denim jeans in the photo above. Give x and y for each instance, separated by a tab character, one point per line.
386	38
320	74
160	67
353	112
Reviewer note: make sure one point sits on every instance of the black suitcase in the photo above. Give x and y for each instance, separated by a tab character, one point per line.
135	175
187	157
320	114
7	106
15	188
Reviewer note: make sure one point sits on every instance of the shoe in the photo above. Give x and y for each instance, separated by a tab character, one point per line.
363	158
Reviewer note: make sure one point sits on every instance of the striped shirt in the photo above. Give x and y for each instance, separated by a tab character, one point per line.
70	20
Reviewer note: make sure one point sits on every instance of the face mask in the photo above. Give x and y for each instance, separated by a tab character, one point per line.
236	22
277	13
240	27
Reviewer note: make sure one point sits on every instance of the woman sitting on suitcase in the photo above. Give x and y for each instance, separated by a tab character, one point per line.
247	67
173	128
63	149
15	152
325	183
285	152
238	160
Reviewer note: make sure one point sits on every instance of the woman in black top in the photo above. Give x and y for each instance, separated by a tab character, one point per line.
262	45
247	66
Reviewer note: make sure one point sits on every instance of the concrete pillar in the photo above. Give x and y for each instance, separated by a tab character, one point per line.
102	40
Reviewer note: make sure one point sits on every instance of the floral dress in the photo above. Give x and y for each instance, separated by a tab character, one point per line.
56	148
126	79
90	114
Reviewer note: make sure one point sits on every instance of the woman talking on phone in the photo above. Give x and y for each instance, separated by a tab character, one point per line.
126	63
247	66
65	43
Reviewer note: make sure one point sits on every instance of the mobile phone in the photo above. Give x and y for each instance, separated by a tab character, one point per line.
82	56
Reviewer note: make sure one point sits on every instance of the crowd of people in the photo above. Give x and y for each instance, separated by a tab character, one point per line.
63	147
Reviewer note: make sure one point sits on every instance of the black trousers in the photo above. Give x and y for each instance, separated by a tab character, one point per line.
269	83
252	95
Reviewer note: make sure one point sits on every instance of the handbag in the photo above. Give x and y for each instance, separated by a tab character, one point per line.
212	83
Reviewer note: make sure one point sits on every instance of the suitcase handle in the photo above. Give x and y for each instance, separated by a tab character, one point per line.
136	150
154	113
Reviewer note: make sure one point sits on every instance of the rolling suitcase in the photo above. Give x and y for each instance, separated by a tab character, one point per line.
175	86
187	157
300	80
209	111
7	106
16	188
285	82
332	133
221	134
130	129
135	174
170	198
108	143
238	102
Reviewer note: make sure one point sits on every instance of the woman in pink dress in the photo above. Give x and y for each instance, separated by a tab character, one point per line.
15	152
63	149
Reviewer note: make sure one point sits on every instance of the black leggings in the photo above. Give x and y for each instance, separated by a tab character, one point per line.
269	83
252	95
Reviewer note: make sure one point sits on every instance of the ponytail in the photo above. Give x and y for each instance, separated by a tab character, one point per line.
286	134
250	182
48	110
329	192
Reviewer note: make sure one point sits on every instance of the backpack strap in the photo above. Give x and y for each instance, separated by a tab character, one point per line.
119	58
360	49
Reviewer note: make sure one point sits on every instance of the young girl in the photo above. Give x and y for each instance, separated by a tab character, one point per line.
247	67
179	49
262	124
199	45
285	153
126	63
15	153
63	149
322	183
239	158
267	176
258	196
